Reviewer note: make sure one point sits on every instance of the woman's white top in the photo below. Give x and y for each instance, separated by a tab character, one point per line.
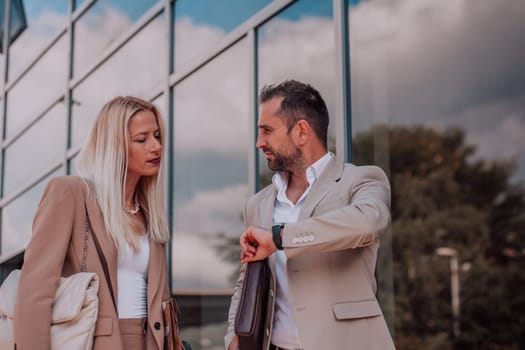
133	280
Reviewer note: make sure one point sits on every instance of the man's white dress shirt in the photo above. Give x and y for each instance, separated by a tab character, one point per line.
284	333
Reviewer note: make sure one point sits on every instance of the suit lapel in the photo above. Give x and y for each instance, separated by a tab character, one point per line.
106	243
155	253
266	221
266	210
320	188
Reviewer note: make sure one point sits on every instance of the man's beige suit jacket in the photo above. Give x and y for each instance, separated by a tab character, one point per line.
331	257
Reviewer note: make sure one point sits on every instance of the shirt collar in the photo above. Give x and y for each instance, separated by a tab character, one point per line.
280	178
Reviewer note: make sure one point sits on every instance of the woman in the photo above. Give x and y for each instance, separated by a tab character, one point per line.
120	187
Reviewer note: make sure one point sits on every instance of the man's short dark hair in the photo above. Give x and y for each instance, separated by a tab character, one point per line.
300	101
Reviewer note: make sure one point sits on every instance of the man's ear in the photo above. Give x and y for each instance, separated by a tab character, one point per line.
303	131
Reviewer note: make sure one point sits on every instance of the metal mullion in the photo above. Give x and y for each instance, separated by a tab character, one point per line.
6	258
230	39
72	152
253	83
124	39
53	101
82	9
156	94
264	14
37	58
343	112
68	94
7	25
169	154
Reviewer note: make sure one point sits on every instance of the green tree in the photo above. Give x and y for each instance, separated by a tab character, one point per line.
444	195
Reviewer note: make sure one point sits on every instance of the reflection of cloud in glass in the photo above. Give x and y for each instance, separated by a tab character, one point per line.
211	106
214	213
44	22
191	39
33	8
199	266
102	25
94	32
210	182
220	14
36	149
297	48
133	9
442	63
503	139
44	82
199	25
17	217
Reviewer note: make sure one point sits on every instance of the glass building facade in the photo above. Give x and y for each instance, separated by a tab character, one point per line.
431	91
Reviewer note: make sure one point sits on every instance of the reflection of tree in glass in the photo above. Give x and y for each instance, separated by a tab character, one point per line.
442	195
228	249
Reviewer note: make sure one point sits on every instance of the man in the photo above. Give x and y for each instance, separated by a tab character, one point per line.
319	222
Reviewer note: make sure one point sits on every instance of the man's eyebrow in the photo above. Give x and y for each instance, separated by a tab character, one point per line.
264	126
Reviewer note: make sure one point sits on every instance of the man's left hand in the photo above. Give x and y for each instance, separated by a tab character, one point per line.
256	244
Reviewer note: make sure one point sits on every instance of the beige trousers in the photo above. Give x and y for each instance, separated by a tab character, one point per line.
133	333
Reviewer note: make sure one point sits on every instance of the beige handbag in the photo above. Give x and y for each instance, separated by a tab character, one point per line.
75	309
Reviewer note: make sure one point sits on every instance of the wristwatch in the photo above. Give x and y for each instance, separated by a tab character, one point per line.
277	237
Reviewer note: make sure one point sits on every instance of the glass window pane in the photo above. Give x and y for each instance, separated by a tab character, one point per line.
40	146
160	103
17	217
73	162
78	3
131	71
44	20
302	37
438	96
210	186
201	24
36	90
102	25
210	165
2	60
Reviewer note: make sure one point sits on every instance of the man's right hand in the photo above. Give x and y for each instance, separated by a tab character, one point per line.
256	244
234	345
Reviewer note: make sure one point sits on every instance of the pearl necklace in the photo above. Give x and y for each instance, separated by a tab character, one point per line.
133	211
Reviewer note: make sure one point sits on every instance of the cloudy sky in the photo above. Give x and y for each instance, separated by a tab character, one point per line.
443	63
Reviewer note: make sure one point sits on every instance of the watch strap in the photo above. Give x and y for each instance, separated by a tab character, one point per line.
277	235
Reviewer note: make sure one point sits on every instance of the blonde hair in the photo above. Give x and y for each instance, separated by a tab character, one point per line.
104	161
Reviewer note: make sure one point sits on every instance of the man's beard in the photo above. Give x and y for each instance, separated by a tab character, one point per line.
290	163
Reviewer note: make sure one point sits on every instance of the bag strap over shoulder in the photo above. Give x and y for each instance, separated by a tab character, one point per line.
103	261
85	247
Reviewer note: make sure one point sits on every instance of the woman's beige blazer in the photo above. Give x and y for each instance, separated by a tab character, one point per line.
55	250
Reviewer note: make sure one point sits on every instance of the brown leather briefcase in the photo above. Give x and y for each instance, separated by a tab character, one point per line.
251	312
